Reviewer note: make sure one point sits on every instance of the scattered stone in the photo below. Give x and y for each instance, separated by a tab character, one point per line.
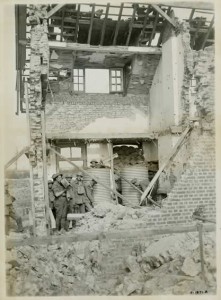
190	268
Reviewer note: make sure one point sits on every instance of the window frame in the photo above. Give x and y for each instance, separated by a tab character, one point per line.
72	79
121	78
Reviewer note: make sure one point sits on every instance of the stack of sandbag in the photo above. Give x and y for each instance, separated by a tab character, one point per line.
127	156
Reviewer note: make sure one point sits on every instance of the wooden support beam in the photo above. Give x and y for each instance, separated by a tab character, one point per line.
118	24
104	24
188	4
77	23
16	157
163	14
85	172
104	49
208	32
154	29
131	26
169	158
91	24
191	14
54	10
162	31
110	151
62	24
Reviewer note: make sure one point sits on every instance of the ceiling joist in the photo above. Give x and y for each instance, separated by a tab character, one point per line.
163	14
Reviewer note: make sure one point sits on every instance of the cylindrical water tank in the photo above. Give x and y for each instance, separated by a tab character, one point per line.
130	172
101	194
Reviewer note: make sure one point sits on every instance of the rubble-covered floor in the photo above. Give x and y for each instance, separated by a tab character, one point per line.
161	264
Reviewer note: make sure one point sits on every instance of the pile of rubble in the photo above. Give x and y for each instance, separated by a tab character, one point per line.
164	265
127	156
171	265
108	216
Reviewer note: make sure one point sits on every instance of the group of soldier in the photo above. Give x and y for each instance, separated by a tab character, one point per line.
68	195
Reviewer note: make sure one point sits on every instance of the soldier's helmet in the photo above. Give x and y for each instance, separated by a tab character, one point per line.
56	175
94	160
50	181
80	174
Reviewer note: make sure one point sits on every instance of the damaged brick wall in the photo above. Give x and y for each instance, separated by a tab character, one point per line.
142	73
38	67
74	113
201	64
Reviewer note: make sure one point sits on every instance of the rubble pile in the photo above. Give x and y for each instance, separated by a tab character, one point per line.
127	156
171	265
107	216
164	265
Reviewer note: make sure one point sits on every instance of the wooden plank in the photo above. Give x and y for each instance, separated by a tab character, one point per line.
77	23
91	176
163	14
16	157
162	31
188	4
131	26
91	25
62	24
191	14
54	10
170	156
112	234
154	29
110	151
104	49
118	24
45	174
208	32
104	24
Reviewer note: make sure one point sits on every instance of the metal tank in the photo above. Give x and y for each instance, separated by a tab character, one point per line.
101	194
132	196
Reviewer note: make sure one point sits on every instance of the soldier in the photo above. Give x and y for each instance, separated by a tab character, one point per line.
10	212
60	202
51	197
94	163
79	193
89	202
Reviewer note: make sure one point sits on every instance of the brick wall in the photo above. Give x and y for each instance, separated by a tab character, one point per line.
82	113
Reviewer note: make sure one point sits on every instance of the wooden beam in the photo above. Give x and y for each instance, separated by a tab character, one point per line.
110	152
118	24
103	49
204	5
104	24
131	26
16	157
163	14
162	31
154	29
77	23
62	24
169	158
54	10
91	176
91	25
208	32
191	14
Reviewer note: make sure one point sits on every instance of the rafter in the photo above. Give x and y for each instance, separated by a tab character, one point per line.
208	32
54	10
163	14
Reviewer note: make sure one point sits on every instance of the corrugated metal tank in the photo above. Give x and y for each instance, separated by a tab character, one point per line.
101	194
130	172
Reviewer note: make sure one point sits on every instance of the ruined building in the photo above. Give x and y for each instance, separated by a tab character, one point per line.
130	84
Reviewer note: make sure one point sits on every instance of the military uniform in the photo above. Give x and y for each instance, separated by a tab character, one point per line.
79	196
11	213
89	188
60	204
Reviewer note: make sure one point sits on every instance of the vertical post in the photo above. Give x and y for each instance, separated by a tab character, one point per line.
91	24
131	26
110	150
104	24
45	174
200	230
